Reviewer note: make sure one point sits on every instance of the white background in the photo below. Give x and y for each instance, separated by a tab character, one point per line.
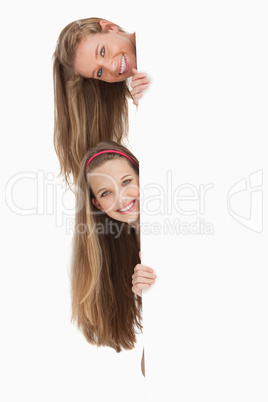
205	120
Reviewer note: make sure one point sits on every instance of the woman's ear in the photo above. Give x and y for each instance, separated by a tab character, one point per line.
108	26
97	204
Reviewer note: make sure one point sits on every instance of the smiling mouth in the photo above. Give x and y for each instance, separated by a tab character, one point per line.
128	208
123	65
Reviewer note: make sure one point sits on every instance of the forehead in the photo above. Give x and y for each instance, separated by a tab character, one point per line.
111	172
86	54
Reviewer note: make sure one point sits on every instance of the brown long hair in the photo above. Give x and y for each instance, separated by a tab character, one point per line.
86	111
103	304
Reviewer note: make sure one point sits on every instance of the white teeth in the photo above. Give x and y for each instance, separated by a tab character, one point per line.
123	65
127	208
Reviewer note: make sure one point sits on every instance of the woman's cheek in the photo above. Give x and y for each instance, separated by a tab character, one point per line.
135	192
130	191
109	204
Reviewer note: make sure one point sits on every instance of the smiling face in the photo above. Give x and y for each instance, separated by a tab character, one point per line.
108	56
115	185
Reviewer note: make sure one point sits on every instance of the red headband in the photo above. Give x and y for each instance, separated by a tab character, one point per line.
110	151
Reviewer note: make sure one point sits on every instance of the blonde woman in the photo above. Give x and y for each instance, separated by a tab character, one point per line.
106	294
92	63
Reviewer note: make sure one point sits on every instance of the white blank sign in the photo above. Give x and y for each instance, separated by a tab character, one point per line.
200	134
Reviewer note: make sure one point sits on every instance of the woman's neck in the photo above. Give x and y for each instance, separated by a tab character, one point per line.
136	227
138	237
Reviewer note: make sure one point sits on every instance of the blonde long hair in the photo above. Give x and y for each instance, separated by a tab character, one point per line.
103	304
86	111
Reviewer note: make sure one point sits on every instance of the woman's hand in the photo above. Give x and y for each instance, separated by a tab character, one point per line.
139	82
142	278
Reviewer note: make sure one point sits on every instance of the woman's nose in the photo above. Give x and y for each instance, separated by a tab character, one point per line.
111	66
125	199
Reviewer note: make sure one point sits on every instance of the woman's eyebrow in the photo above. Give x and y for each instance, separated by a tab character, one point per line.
105	188
101	189
96	55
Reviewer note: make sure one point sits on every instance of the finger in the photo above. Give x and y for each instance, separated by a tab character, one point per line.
137	291
140	286
135	73
144	274
139	89
142	281
135	102
137	82
137	97
138	75
140	267
139	78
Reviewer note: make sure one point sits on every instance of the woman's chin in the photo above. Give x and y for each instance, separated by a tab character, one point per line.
133	221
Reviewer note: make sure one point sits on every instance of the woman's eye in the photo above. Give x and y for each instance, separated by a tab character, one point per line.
126	182
99	72
102	52
105	193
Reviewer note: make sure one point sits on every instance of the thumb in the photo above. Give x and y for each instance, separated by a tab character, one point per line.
134	70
